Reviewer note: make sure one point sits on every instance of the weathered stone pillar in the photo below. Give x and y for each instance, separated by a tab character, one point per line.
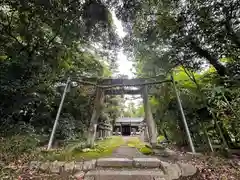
111	130
151	126
94	119
104	133
109	133
121	129
100	133
146	135
117	130
142	134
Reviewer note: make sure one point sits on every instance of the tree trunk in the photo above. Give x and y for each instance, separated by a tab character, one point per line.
220	68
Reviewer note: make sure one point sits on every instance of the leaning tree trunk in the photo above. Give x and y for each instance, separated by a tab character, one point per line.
99	99
220	68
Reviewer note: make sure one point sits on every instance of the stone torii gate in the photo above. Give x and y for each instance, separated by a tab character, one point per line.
118	87
105	87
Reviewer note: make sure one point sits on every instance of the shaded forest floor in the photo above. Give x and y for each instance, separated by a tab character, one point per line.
210	167
214	168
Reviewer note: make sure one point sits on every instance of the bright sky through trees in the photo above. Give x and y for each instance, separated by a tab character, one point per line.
124	65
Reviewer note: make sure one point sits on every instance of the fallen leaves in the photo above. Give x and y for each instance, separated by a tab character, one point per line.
213	168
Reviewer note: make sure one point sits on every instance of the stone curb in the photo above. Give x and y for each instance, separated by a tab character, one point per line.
114	162
173	171
134	174
146	163
60	166
187	169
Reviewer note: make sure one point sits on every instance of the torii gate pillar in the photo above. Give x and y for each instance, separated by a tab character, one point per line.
149	118
98	104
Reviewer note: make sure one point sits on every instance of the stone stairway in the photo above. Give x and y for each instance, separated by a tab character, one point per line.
126	169
125	174
118	169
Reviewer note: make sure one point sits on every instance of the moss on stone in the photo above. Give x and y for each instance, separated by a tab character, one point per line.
102	148
160	139
135	142
145	150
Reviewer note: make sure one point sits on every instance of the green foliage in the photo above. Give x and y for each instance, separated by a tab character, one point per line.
113	107
168	34
42	43
202	95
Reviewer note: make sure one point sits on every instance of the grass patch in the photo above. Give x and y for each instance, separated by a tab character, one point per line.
135	142
102	148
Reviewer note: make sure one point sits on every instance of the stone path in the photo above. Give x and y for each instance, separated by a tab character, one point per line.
125	163
127	152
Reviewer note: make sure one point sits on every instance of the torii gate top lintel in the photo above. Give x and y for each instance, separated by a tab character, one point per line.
138	83
124	81
118	86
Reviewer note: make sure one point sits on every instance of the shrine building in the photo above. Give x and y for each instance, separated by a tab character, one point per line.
127	126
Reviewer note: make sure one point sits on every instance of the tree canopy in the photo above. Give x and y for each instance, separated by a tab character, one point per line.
42	43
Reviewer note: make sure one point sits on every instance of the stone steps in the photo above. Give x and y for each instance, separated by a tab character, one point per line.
129	163
118	169
125	174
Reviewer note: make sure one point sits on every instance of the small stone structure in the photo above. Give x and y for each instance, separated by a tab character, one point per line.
118	169
104	130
